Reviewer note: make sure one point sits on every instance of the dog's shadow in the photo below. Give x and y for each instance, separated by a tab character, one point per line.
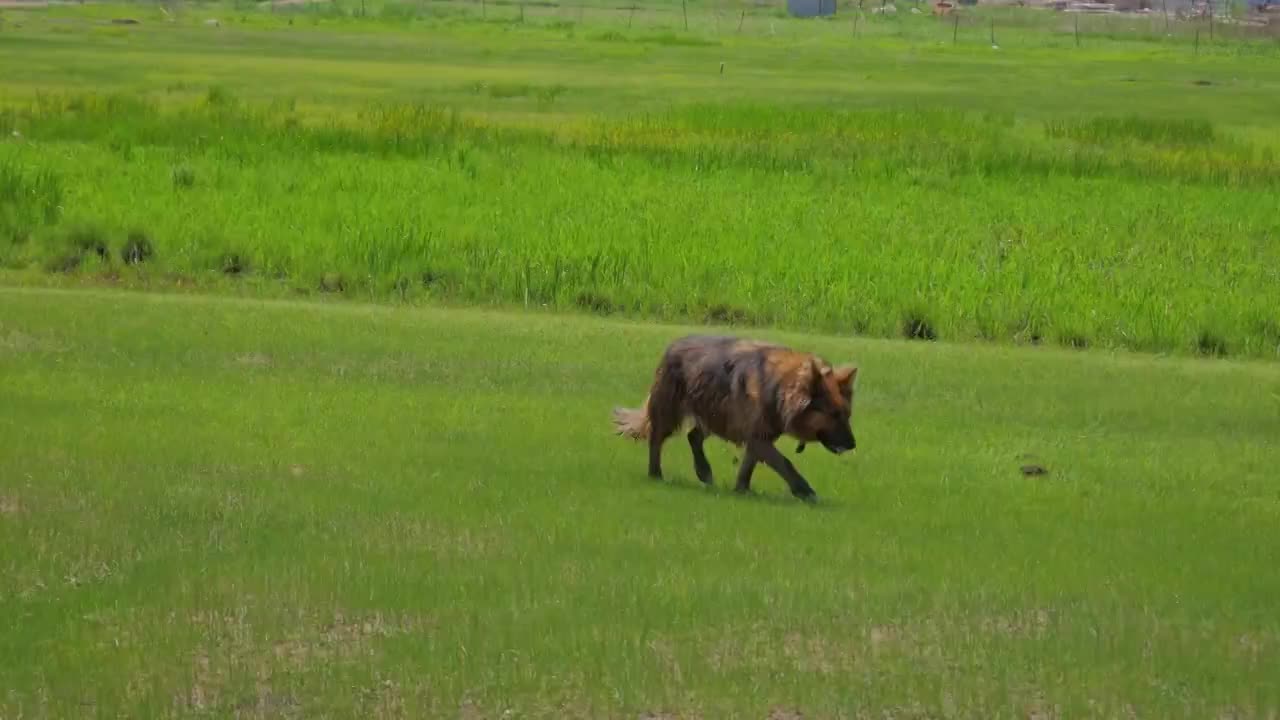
680	483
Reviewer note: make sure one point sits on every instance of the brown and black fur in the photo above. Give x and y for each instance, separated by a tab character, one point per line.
749	393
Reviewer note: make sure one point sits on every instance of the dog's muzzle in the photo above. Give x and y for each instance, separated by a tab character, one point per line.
840	449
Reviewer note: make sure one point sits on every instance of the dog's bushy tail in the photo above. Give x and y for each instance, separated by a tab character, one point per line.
632	422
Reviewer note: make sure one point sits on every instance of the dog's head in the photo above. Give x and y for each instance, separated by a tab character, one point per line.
823	410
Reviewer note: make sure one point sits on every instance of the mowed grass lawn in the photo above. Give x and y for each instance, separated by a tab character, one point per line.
222	507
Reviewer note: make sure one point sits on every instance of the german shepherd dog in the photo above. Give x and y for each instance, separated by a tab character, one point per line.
749	393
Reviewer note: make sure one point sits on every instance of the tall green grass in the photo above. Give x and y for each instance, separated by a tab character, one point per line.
29	198
1130	233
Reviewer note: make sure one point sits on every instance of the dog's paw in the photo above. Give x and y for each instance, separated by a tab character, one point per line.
806	495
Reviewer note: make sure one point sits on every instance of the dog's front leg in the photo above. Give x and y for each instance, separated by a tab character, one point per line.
766	452
748	466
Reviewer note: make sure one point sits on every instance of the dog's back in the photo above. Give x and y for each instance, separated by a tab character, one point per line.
729	386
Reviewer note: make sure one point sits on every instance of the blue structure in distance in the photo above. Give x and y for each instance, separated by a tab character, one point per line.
811	8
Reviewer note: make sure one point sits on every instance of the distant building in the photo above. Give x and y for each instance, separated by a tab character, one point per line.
811	8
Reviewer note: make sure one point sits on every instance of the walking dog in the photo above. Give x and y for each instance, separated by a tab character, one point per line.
749	393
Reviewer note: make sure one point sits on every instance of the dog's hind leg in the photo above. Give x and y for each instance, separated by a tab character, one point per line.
666	413
700	464
663	425
656	439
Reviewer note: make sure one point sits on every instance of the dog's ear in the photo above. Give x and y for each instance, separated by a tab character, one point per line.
821	374
845	377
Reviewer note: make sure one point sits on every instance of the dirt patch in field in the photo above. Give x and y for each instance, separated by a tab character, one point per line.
1026	624
234	649
341	638
9	505
18	342
470	543
856	650
254	360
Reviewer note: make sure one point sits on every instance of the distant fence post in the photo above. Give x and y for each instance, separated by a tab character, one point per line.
522	12
741	18
993	32
1197	41
955	27
631	16
1077	29
684	6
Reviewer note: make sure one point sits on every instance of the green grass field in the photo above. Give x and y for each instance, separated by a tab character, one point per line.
311	323
889	183
230	507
